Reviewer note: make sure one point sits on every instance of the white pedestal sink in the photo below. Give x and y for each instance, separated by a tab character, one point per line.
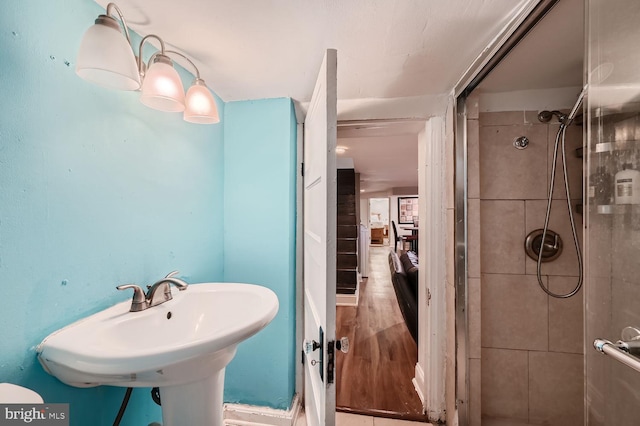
181	346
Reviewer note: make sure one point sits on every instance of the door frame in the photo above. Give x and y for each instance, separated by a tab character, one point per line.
430	371
431	368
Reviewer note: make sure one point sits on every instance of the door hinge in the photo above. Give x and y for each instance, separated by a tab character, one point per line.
302	169
428	296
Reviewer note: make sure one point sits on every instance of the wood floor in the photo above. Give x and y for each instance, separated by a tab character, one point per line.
375	376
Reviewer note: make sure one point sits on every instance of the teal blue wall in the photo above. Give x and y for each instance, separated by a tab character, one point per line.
95	190
259	241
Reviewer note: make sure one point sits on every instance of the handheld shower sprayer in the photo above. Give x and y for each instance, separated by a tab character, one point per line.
565	121
546	116
577	105
596	77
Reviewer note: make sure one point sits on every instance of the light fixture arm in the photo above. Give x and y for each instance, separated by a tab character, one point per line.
111	6
140	61
188	60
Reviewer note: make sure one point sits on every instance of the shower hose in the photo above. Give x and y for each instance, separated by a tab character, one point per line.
564	123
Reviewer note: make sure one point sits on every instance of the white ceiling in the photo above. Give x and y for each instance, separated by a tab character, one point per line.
396	58
385	153
387	49
380	171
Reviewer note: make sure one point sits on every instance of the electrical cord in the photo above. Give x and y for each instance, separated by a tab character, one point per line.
123	407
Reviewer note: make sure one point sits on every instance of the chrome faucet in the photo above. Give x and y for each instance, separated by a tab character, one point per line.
159	292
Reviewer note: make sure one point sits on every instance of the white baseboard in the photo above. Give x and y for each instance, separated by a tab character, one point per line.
435	414
252	415
418	383
349	299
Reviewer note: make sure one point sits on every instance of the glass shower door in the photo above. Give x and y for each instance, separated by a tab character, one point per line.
612	197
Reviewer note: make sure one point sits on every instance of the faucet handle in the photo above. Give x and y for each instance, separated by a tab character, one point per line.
138	293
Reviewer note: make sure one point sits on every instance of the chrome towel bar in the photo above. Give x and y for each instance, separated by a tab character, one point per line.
614	350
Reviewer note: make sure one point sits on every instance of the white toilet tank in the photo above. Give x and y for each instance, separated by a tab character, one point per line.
14	394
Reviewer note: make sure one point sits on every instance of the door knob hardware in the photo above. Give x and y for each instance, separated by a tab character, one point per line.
343	345
310	346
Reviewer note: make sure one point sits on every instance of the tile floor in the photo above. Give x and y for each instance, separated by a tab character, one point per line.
346	419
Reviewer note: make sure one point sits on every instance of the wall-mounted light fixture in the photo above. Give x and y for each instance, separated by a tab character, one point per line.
200	107
107	58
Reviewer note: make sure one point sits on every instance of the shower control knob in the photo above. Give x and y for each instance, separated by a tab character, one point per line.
551	246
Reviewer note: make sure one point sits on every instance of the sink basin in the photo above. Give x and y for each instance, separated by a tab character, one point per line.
181	346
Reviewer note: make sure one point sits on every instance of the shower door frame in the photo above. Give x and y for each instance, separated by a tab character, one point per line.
523	20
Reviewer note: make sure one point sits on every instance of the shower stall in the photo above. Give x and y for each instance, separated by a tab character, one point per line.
553	341
526	346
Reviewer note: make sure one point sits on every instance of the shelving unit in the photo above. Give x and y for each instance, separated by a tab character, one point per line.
614	146
618	209
618	142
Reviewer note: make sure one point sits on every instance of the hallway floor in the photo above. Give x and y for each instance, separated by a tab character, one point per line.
375	377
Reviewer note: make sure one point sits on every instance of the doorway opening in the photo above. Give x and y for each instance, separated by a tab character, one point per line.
376	377
379	221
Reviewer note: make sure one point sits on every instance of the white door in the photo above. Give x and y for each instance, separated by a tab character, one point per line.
320	204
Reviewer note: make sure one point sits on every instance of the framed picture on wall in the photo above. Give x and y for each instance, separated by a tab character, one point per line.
407	209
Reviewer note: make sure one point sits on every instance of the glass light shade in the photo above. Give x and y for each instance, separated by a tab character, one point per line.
106	58
162	88
200	106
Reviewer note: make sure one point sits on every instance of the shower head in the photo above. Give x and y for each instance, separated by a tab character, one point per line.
546	116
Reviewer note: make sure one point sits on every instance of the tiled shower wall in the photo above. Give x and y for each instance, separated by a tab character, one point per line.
526	361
